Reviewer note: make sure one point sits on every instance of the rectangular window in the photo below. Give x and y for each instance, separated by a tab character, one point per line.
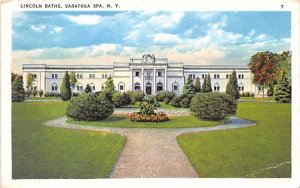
159	74
227	76
241	88
78	76
137	73
216	76
203	75
54	76
92	76
54	88
121	87
216	88
175	88
241	76
105	75
102	75
93	88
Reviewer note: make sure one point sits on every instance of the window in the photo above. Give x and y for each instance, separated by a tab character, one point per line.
54	87
54	76
109	75
241	76
79	87
102	75
217	87
92	76
79	76
227	76
121	86
260	88
175	87
137	86
137	73
241	87
216	76
93	87
105	75
159	87
34	76
159	74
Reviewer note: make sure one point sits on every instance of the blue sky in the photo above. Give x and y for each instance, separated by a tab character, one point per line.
189	37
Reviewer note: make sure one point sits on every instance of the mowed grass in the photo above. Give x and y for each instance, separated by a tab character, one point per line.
174	122
262	151
45	152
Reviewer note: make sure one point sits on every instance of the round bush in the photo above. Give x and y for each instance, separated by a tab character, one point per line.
89	107
213	106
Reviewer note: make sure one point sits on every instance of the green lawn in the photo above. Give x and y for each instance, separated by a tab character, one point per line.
46	152
266	98
43	98
260	151
175	122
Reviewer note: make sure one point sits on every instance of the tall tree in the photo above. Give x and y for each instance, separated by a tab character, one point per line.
13	76
109	88
208	84
29	80
73	79
283	90
203	89
17	90
262	65
65	89
232	87
197	85
189	87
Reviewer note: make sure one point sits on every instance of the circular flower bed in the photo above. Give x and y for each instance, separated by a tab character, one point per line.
156	117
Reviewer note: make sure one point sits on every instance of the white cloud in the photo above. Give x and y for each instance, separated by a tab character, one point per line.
84	19
207	15
57	29
252	32
166	21
262	37
166	38
38	28
133	35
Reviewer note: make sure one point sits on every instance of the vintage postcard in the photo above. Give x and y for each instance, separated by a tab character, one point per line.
149	93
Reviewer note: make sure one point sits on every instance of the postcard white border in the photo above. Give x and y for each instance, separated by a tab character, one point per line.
151	5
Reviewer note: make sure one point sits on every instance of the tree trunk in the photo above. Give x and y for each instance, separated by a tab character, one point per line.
263	91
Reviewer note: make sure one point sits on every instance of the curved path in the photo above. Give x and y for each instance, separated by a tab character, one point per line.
151	152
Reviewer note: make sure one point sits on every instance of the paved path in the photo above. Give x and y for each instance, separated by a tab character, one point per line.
151	152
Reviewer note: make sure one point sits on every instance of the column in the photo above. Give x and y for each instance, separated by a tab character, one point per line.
130	81
166	80
143	80
154	81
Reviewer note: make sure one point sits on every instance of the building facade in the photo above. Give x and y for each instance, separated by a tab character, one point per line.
147	74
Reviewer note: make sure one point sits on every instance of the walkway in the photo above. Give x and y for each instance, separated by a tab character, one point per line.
151	152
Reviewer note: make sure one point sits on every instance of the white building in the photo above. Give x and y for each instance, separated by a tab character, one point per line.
148	74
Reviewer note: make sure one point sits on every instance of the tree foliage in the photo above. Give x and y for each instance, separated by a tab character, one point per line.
262	66
197	85
17	90
73	79
65	89
148	105
204	84
232	87
29	80
88	89
213	106
109	88
189	87
283	90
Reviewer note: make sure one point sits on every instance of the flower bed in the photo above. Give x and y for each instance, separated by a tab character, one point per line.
156	117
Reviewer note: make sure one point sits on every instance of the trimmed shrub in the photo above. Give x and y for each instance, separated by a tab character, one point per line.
28	92
242	94
213	106
120	99
34	93
247	94
40	92
138	117
135	96
75	94
160	96
52	94
252	94
166	100
176	102
90	107
148	105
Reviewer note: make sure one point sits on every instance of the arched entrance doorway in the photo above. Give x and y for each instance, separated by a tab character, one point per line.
148	88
